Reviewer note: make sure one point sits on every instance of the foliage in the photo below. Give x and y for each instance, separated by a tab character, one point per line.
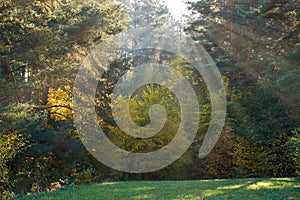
259	57
294	145
10	145
152	13
255	44
218	164
42	44
60	103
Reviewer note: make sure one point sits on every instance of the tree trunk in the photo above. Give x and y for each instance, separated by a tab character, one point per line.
232	51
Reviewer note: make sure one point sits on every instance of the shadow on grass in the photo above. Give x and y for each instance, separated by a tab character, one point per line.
288	188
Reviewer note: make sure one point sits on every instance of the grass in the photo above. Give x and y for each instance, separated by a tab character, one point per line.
273	189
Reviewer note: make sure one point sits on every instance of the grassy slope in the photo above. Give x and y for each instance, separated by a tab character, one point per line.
273	189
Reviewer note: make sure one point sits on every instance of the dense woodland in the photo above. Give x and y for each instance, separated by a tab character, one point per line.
254	43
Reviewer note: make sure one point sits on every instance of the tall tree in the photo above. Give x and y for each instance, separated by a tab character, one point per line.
256	56
147	13
42	44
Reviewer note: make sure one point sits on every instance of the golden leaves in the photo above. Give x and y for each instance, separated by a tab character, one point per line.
60	103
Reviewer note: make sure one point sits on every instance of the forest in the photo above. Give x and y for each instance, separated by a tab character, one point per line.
255	45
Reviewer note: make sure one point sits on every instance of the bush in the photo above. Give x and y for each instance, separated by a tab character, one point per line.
10	145
294	146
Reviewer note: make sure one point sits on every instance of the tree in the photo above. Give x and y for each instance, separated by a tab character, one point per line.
42	44
152	13
256	56
43	37
294	145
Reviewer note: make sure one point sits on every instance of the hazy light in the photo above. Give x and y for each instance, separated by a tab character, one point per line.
177	7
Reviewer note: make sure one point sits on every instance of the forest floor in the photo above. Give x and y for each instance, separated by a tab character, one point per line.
262	188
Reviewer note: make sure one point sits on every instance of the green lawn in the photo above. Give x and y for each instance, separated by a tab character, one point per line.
273	189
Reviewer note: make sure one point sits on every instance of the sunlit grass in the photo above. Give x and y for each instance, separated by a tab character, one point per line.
230	187
286	188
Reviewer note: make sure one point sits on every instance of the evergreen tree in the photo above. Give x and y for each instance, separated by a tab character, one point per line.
256	56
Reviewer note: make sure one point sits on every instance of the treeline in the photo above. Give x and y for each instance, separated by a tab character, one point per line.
42	43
